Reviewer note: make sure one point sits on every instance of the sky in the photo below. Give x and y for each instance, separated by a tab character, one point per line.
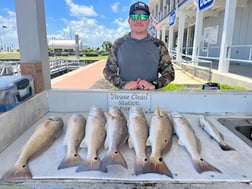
94	21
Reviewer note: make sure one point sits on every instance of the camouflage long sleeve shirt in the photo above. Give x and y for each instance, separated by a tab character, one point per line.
147	59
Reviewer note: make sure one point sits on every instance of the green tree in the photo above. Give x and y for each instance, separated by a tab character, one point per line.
106	45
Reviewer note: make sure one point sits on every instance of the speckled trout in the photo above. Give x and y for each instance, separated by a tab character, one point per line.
188	139
43	136
138	134
116	135
94	140
74	135
210	129
160	140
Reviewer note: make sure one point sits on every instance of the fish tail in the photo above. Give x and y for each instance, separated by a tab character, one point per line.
226	147
18	173
114	157
139	165
157	166
70	161
91	165
203	166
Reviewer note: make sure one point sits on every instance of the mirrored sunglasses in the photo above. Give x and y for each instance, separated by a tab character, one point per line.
135	16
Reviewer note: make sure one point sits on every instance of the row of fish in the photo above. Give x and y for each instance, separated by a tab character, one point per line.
111	130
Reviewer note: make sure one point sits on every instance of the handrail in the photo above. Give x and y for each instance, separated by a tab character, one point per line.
213	53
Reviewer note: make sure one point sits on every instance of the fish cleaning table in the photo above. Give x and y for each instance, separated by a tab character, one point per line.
236	166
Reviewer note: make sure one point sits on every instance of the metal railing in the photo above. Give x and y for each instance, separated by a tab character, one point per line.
56	66
200	68
235	53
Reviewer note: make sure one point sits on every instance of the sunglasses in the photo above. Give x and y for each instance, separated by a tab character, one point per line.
135	16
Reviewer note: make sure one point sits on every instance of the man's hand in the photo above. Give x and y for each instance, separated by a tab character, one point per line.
145	85
139	84
131	85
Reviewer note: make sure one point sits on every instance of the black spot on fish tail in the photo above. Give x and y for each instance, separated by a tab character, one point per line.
91	165
114	158
71	161
202	166
226	147
18	173
157	166
139	165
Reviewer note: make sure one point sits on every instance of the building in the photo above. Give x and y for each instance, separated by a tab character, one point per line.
218	30
64	44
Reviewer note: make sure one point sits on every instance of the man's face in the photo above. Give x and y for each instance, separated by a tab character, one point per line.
138	26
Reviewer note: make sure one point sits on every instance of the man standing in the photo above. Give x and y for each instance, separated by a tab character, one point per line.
138	60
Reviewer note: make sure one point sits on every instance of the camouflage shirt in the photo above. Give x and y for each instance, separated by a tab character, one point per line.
147	59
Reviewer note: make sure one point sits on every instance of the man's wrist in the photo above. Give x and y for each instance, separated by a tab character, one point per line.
155	84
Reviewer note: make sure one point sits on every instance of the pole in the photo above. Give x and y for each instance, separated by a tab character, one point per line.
3	35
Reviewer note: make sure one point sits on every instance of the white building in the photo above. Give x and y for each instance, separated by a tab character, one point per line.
220	31
64	44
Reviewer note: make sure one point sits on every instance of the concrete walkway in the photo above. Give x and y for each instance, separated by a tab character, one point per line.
91	76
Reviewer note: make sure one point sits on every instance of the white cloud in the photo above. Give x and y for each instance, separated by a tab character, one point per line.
115	6
8	33
90	32
121	23
80	10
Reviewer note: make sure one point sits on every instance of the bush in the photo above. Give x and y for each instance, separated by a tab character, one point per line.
228	87
64	54
104	53
91	54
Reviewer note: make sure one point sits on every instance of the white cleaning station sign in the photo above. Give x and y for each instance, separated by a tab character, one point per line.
125	100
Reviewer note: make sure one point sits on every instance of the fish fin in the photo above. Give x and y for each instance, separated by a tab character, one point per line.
125	139
202	166
221	135
70	161
180	142
106	143
157	166
91	165
18	173
226	147
114	158
201	122
158	111
198	144
108	115
148	143
83	143
130	143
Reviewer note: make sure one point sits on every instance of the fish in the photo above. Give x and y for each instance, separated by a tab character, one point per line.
138	134
160	140
41	139
210	129
74	135
93	140
116	136
188	139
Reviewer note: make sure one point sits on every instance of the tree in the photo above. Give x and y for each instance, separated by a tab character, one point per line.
106	45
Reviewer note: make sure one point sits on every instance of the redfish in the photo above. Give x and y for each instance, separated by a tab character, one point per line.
74	135
188	139
116	136
94	140
160	140
138	134
41	139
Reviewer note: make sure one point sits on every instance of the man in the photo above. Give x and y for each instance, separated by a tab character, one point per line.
138	60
